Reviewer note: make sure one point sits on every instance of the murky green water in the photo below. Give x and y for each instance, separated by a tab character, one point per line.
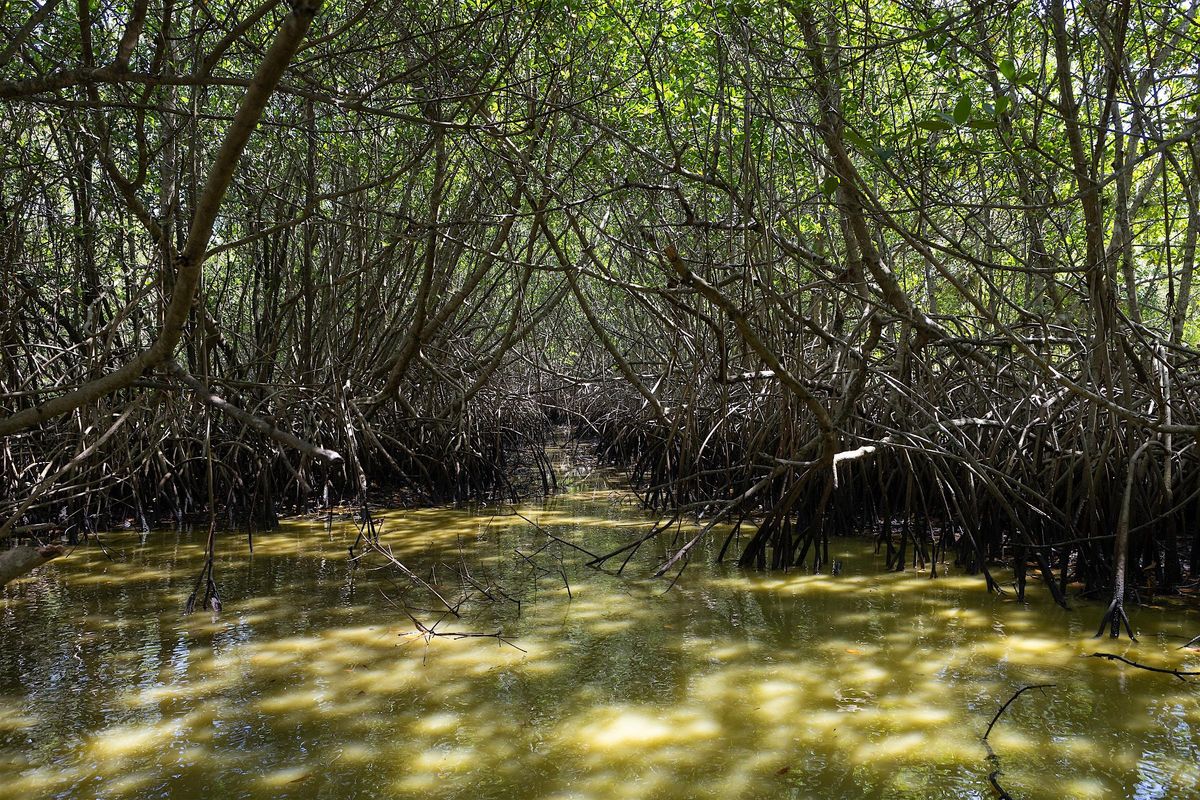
312	684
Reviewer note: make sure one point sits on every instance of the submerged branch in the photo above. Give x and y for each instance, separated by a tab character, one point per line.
1009	702
1181	674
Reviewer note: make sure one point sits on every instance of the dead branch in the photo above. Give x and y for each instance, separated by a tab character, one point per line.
1009	702
1181	674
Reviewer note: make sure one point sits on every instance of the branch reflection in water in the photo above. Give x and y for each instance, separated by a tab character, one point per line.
870	684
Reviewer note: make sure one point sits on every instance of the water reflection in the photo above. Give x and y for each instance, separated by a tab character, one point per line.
869	685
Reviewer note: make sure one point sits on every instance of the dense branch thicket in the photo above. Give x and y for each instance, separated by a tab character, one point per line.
924	267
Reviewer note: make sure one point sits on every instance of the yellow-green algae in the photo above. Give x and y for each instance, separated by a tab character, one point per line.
731	685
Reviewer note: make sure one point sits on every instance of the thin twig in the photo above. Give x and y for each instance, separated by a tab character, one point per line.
1016	694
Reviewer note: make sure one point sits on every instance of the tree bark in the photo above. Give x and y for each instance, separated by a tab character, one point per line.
22	559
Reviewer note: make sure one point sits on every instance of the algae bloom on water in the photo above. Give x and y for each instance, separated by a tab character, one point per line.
870	684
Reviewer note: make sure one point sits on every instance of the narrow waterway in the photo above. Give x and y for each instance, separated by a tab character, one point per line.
313	683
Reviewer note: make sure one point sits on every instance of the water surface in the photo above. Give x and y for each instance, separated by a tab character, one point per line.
313	681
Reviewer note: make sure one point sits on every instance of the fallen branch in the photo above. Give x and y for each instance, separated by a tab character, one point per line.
560	540
1004	707
387	554
19	560
993	779
1181	674
994	775
428	632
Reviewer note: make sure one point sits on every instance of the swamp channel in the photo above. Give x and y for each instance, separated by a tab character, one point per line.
329	677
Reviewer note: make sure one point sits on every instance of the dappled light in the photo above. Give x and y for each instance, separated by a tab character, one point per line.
868	684
599	399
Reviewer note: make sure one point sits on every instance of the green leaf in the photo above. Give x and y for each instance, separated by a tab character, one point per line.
962	110
858	140
982	123
830	185
1026	77
1003	104
885	154
1008	69
935	124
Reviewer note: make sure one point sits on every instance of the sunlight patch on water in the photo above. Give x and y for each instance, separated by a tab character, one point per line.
127	741
1084	788
628	731
15	718
288	776
734	684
